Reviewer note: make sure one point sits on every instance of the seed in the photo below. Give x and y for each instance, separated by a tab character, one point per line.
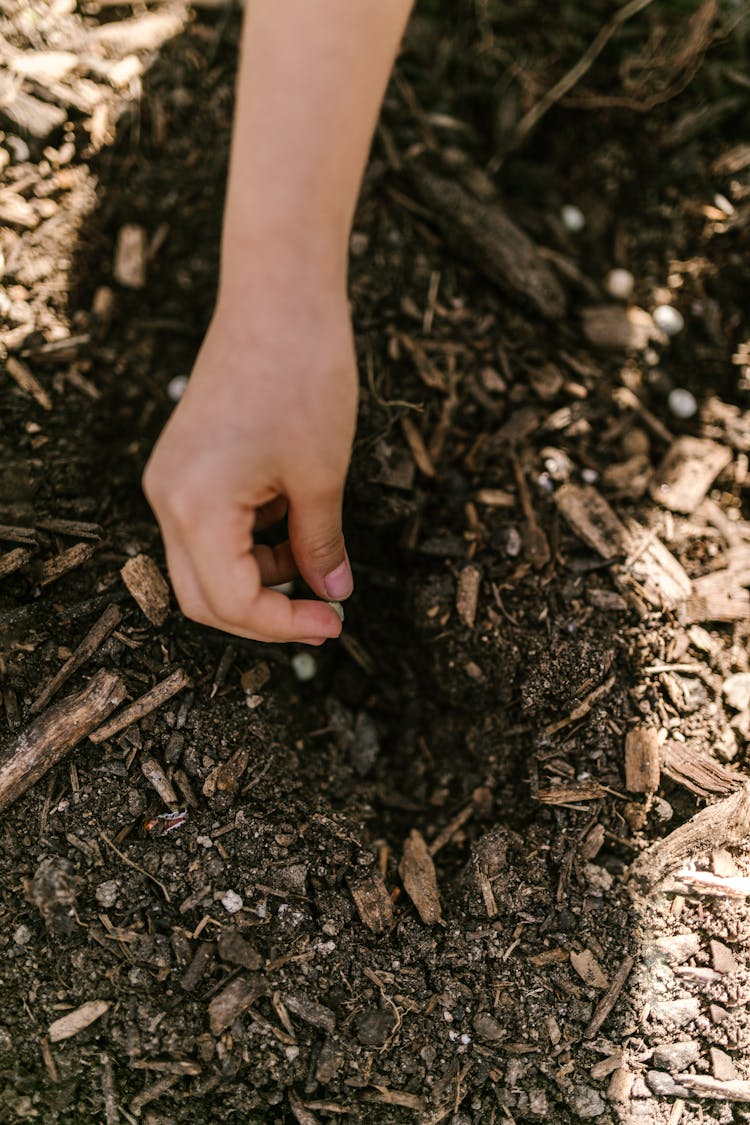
573	218
304	666
176	387
669	319
682	403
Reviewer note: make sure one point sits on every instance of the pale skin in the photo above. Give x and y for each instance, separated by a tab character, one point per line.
267	422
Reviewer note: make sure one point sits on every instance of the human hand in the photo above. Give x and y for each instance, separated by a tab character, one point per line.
265	427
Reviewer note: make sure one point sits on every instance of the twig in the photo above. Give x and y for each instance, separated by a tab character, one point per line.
55	733
98	633
533	116
607	1002
144	705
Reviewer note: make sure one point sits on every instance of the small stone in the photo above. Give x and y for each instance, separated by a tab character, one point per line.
589	476
682	402
304	666
664	1084
722	958
620	284
22	935
677	1012
674	949
231	902
573	218
176	387
669	319
106	893
662	809
586	1102
488	1028
722	1066
365	746
676	1056
717	1013
513	542
130	256
373	1026
736	690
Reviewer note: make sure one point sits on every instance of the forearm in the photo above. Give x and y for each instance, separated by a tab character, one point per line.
312	77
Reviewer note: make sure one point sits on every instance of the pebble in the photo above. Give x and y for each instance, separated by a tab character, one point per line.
620	284
662	809
589	476
176	387
662	1083
736	690
232	902
106	893
488	1028
669	319
676	1056
677	1012
585	1101
373	1026
22	935
513	542
682	402
365	746
573	218
304	666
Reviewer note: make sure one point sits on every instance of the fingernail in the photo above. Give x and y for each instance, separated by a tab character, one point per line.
317	641
339	583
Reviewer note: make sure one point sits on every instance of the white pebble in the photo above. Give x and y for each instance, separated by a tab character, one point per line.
669	319
304	666
682	403
176	387
620	284
573	218
232	902
590	476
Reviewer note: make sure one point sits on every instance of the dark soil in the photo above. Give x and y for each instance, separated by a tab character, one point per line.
511	728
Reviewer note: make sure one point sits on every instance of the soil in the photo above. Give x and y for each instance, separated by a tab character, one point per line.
282	953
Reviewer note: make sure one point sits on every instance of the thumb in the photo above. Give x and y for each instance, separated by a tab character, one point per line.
317	543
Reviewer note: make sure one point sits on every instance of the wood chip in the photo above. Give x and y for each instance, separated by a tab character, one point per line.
697	772
642	760
44	64
660	578
130	256
27	382
592	520
108	621
61	564
485	236
468	594
723	824
14	560
620	328
29	114
420	882
225	777
233	1001
153	772
144	705
687	472
146	32
236	951
495	498
570	794
54	734
702	1086
73	1022
735	886
418	448
15	211
589	969
374	904
144	581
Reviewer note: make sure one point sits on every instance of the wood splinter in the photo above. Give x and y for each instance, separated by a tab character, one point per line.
142	706
96	636
54	734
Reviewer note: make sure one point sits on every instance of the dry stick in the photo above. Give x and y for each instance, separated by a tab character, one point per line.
144	705
532	118
721	825
96	636
607	1002
53	735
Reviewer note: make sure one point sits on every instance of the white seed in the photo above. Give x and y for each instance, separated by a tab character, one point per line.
338	609
304	666
232	902
669	319
682	403
723	204
286	588
590	476
620	284
573	218
176	387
